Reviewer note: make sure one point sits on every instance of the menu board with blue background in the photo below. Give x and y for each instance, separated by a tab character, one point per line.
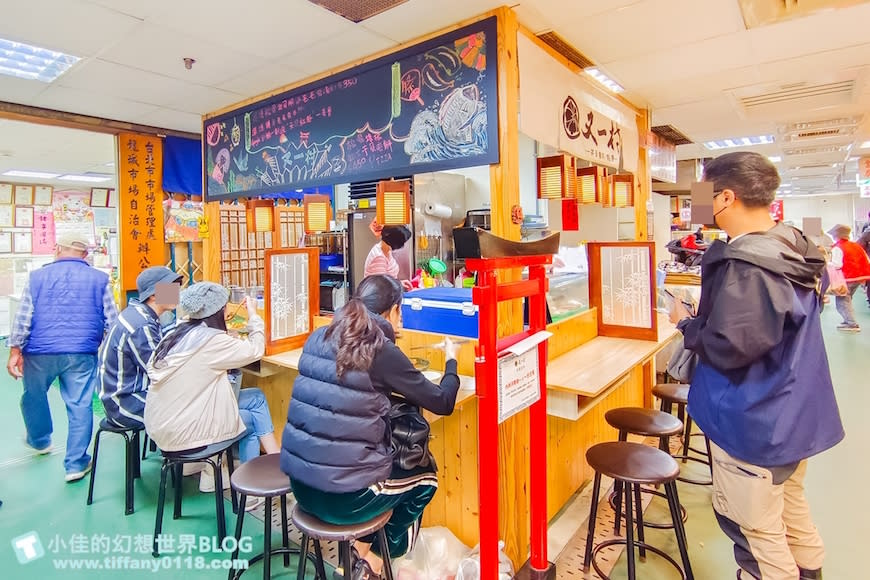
430	107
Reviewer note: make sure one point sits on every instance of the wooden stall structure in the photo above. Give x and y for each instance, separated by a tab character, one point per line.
587	373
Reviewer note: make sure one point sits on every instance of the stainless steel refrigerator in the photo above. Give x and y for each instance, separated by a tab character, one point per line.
360	242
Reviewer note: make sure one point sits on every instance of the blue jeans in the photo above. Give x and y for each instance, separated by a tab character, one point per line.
255	415
77	374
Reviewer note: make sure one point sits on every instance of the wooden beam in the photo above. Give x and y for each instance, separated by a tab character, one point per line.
211	246
38	115
643	180
350	65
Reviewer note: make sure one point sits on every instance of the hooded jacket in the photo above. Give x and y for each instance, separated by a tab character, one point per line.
190	401
762	389
337	438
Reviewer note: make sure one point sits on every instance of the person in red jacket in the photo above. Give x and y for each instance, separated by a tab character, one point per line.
851	259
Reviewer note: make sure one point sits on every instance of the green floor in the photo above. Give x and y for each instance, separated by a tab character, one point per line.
835	483
36	499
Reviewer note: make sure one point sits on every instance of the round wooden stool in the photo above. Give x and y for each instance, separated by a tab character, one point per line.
635	464
648	423
677	394
313	528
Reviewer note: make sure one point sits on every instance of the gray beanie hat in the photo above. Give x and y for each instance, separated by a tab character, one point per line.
203	299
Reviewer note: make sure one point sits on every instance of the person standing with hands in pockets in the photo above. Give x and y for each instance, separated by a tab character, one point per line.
761	390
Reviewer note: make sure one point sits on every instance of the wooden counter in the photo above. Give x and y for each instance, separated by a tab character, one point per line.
584	381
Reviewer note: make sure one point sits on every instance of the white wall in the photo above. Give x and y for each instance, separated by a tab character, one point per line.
834	209
528	175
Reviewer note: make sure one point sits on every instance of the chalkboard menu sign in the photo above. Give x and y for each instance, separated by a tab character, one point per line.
430	107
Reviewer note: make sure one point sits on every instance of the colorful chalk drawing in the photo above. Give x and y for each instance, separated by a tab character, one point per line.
182	220
428	108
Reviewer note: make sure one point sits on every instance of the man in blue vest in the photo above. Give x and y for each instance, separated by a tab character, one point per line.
65	310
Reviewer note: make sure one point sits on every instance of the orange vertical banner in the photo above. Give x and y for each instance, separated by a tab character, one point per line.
140	205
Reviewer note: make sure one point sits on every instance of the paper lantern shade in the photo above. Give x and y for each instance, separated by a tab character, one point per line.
259	215
394	203
317	213
623	190
590	181
556	177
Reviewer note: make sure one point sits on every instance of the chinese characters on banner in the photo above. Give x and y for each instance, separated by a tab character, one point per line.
141	205
590	135
43	231
776	210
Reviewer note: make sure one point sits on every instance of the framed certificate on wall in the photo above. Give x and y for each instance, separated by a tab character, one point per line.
5	193
23	195
99	197
6	216
42	195
23	216
22	242
5	242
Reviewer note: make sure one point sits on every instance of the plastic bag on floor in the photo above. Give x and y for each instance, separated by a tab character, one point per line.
436	556
469	567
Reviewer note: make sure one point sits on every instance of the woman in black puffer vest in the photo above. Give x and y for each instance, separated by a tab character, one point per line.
337	446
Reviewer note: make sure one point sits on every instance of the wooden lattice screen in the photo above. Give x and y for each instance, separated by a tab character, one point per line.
242	253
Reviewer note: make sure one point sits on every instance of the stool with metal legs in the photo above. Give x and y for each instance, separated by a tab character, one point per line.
314	529
648	423
262	477
132	468
677	394
174	461
634	464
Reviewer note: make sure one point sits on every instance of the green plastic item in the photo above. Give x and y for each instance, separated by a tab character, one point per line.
437	266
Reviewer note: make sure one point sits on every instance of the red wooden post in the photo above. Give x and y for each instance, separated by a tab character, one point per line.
486	295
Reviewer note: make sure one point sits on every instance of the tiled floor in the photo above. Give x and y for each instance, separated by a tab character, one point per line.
37	500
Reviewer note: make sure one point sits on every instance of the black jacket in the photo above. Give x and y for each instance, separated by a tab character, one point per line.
337	437
762	389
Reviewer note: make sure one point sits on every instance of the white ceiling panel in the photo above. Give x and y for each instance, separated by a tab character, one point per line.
161	50
136	8
72	26
263	79
710	119
419	17
20	90
265	28
90	102
702	86
677	64
338	50
822	32
125	82
652	25
557	9
200	100
178	120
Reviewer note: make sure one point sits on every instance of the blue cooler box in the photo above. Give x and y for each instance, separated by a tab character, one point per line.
440	310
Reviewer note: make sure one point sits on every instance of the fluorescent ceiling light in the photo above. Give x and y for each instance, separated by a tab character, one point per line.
865	145
739	142
86	178
604	79
775	158
31	174
25	61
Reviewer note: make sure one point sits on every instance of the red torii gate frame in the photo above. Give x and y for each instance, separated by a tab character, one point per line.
487	295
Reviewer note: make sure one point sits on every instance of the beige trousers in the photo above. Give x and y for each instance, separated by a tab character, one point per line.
766	514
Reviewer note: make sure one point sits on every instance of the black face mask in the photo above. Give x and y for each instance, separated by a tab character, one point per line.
715	215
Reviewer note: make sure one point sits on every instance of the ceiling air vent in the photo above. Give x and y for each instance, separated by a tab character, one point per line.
562	46
802	151
802	91
672	134
357	10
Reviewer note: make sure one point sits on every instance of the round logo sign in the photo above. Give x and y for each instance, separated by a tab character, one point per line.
571	118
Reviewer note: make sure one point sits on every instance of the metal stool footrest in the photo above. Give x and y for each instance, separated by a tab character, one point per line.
274	552
657	525
624	542
690	480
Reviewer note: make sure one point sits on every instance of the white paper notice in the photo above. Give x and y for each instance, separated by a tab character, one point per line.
518	383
